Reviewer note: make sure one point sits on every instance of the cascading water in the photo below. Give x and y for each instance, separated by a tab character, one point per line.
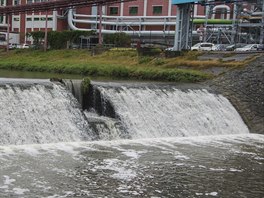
44	112
74	87
168	112
39	112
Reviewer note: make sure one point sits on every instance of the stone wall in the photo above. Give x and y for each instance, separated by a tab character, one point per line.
244	87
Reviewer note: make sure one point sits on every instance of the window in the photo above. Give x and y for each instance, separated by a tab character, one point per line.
16	19
1	19
2	37
157	9
16	2
207	45
113	10
36	19
29	1
2	2
133	10
29	19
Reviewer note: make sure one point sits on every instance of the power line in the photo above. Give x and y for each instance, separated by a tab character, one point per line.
53	5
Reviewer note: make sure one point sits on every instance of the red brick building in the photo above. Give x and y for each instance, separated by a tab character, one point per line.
140	18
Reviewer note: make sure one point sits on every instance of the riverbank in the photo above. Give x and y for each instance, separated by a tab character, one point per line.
116	64
244	87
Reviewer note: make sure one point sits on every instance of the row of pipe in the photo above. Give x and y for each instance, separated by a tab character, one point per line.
132	21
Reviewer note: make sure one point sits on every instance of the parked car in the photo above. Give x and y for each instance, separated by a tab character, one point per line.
12	46
25	46
250	47
169	49
260	47
202	47
234	46
219	47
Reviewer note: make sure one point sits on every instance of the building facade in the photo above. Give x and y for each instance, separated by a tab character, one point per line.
140	18
148	20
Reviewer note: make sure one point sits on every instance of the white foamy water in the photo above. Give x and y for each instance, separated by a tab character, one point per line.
40	114
106	128
162	167
160	112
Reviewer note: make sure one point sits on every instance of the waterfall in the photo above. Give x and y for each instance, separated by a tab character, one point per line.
39	112
44	112
166	111
74	87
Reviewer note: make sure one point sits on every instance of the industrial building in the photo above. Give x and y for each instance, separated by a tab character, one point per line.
148	20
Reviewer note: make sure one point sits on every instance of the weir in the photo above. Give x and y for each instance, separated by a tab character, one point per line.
74	87
33	111
38	111
151	111
44	112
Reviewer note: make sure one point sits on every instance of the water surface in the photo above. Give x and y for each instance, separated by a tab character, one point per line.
213	166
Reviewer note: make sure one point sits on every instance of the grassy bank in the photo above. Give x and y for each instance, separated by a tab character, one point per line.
124	64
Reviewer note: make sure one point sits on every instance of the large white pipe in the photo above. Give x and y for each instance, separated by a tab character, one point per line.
154	33
132	33
133	17
146	33
257	14
128	23
227	8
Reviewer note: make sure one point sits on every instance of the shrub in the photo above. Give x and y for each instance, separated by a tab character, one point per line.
149	51
118	39
85	85
58	40
144	59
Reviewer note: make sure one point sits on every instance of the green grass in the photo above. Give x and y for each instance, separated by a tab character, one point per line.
117	64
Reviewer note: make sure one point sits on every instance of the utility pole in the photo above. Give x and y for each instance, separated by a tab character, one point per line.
234	23
46	33
100	24
8	32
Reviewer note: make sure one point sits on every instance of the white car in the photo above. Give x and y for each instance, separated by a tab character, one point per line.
25	46
12	46
203	47
169	49
251	47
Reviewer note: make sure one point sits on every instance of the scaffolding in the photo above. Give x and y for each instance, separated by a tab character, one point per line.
246	26
183	33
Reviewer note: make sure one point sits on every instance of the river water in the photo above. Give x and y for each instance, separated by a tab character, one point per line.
209	166
48	147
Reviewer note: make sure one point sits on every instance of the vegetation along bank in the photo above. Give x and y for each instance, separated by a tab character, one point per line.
117	63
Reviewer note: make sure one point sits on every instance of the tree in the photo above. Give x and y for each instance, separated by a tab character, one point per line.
58	40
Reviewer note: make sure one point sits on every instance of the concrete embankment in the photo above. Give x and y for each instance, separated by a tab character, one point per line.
244	87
